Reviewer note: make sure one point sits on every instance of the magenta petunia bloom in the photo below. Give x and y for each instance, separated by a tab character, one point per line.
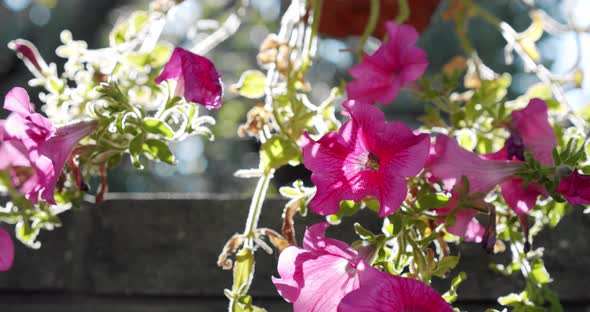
30	140
532	124
316	277
465	223
366	157
397	62
197	80
383	292
575	188
6	251
12	153
532	132
449	163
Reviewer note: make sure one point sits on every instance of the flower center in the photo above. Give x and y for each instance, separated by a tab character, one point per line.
372	162
21	175
515	146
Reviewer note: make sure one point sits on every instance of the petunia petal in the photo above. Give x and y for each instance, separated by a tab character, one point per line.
196	77
401	151
452	162
396	63
519	198
532	124
401	36
383	292
17	100
291	279
327	272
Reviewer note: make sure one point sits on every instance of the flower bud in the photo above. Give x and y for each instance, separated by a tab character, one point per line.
28	53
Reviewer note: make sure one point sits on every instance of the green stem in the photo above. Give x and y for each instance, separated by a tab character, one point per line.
460	29
315	24
256	204
478	10
372	23
404	11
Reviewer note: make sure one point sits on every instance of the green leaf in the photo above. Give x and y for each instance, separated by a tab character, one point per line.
427	199
509	299
9	217
451	295
334	219
289	192
396	224
138	59
158	150
243	271
139	19
244	304
117	35
467	139
362	232
539	273
27	234
251	84
160	55
349	208
135	149
278	151
446	264
156	126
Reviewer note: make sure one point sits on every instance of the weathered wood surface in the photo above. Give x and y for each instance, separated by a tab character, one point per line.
158	252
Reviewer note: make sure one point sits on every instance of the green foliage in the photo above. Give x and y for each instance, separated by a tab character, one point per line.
158	127
278	151
243	274
251	84
158	150
243	271
445	265
451	295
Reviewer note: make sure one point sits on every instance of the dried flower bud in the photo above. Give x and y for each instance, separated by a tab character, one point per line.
257	118
270	42
457	63
231	246
273	51
26	51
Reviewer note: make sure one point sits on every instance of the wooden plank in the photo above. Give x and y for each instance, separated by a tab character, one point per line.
88	303
57	302
167	245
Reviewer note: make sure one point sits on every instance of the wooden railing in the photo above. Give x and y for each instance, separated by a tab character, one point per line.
158	252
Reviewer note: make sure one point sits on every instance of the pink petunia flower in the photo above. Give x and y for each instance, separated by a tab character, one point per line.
30	140
383	292
396	63
532	132
316	277
575	188
450	163
197	80
366	157
6	251
465	223
13	154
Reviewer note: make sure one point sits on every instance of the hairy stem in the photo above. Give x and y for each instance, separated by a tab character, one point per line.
371	24
404	11
256	204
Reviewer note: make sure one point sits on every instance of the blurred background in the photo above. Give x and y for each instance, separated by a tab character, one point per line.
133	251
208	167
